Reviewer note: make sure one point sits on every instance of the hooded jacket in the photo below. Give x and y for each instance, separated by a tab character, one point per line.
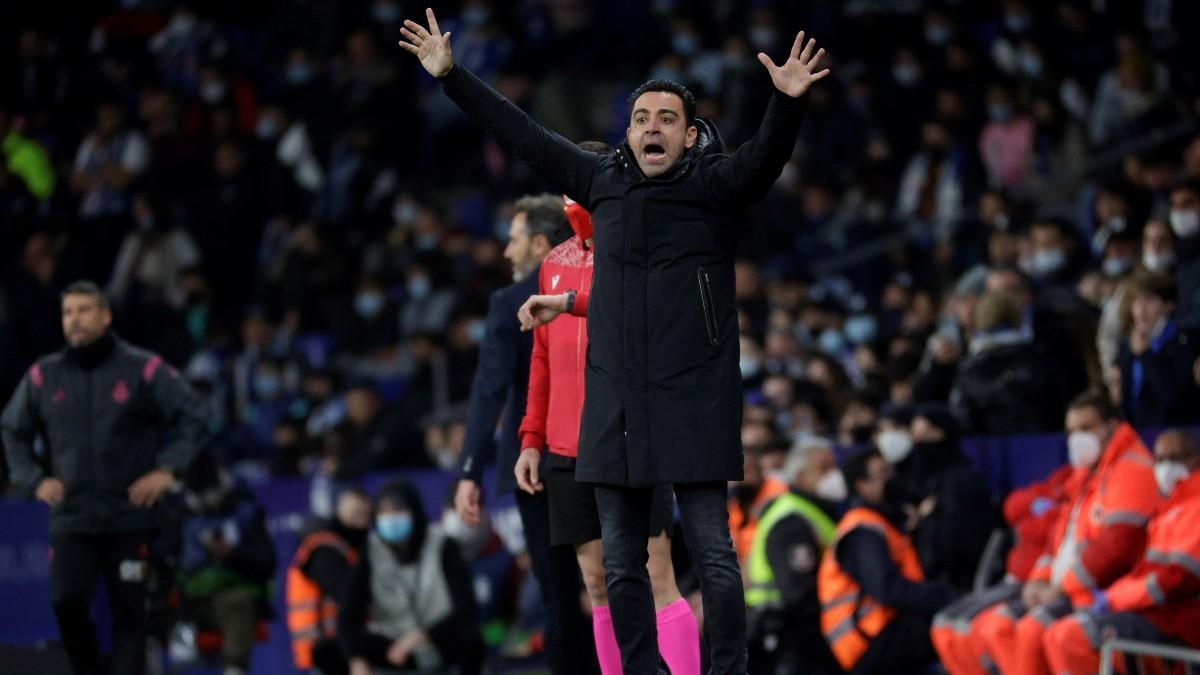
663	399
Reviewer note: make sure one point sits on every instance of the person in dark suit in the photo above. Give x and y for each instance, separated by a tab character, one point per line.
501	384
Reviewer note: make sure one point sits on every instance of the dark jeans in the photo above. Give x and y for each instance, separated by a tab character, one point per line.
77	561
569	645
625	522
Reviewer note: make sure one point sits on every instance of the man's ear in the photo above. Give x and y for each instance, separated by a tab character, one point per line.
690	139
628	131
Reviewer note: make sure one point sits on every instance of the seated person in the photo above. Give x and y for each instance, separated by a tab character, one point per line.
408	605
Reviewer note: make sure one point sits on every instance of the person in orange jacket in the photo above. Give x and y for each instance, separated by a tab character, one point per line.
1096	540
1157	601
1031	512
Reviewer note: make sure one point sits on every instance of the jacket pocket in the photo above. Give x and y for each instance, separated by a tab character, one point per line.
706	303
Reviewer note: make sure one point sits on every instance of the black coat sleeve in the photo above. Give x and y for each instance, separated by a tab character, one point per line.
864	555
736	181
793	554
494	376
558	160
352	610
18	427
461	628
183	417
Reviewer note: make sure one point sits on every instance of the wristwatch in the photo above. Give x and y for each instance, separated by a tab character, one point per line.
570	301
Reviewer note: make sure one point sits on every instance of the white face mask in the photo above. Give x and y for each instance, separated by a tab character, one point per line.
1185	223
1084	449
1158	262
894	445
832	486
1168	474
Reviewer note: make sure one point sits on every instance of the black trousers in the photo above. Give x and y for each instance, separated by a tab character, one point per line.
625	521
903	648
570	649
77	561
329	658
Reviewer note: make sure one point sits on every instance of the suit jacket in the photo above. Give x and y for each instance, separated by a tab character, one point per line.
501	385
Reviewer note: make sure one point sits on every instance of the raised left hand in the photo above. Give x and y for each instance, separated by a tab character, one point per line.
147	489
799	72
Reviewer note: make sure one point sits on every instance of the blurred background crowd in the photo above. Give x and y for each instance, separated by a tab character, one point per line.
989	209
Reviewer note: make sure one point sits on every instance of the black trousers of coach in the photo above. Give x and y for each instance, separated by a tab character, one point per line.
625	522
78	561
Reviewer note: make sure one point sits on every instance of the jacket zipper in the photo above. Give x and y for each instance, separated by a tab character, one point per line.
710	314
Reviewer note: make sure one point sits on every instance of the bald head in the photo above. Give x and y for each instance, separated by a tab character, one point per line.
1176	446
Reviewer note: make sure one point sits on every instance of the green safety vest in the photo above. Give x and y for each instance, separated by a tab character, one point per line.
762	590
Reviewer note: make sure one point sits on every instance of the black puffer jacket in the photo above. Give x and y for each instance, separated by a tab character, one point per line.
663	396
109	413
1007	389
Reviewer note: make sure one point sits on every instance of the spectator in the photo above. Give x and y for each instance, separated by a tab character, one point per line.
1004	386
886	627
374	433
1156	601
1185	224
796	527
1158	360
1112	497
948	501
1006	143
25	158
750	495
318	571
426	620
109	159
228	560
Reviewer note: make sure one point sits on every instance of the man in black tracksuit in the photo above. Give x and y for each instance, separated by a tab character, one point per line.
663	391
103	408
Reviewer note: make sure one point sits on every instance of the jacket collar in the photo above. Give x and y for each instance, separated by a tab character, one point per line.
94	353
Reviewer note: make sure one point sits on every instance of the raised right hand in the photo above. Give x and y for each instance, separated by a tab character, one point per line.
526	471
50	491
431	47
466	501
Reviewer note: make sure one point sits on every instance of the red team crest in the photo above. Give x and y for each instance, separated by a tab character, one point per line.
120	393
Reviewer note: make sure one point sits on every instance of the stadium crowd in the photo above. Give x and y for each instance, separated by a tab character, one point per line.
991	225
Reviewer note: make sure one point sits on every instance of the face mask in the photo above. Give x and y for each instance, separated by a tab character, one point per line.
685	44
419	288
860	329
1158	262
476	16
394	528
1115	267
749	366
938	34
831	341
1185	223
212	91
266	129
476	330
894	445
906	74
385	12
181	25
999	112
267	386
404	213
298	74
1168	474
762	37
832	486
1045	262
1084	449
1032	65
1017	23
369	305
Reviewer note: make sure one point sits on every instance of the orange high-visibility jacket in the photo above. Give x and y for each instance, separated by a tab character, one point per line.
1164	585
744	522
1102	533
311	616
849	619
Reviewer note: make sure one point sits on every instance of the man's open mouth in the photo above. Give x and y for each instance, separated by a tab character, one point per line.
654	152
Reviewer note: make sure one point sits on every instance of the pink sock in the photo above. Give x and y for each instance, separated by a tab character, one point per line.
679	638
607	651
